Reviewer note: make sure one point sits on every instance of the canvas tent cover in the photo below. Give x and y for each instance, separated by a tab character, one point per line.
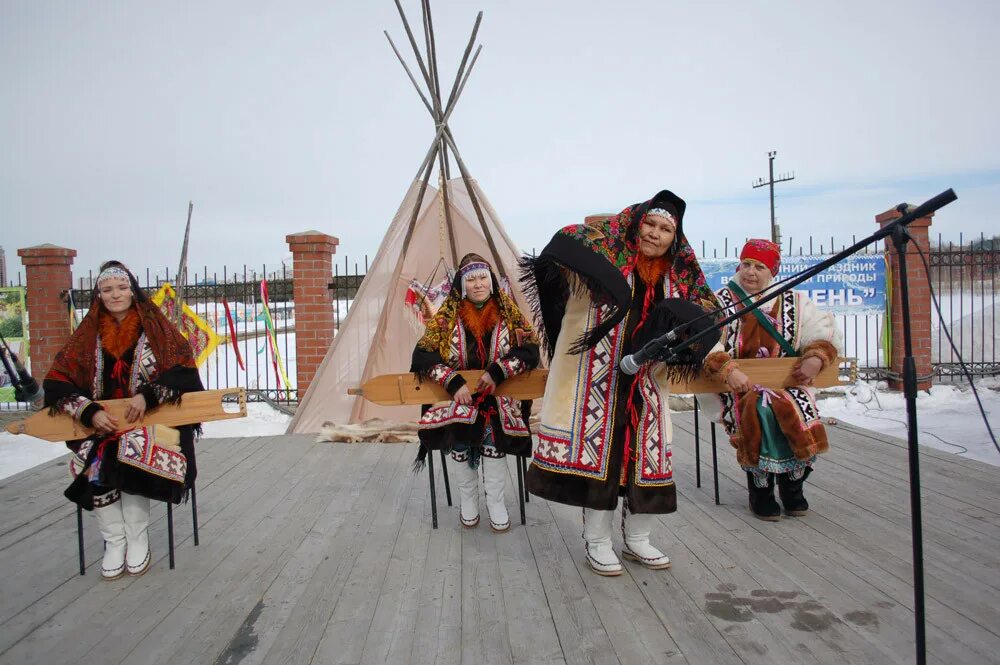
378	334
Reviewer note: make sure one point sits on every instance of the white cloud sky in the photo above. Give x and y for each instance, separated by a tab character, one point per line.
280	117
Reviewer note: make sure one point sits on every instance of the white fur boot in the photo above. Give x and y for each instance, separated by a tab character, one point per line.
467	480
112	527
494	483
597	535
635	533
135	509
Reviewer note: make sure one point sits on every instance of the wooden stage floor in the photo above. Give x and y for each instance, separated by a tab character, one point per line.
324	553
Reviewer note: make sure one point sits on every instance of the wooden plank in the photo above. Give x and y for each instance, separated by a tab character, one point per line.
485	633
102	604
634	628
437	636
581	633
884	575
818	608
401	389
531	631
300	636
233	594
874	593
252	642
44	566
345	633
197	407
391	633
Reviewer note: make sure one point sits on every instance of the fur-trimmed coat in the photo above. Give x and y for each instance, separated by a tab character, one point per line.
812	333
583	432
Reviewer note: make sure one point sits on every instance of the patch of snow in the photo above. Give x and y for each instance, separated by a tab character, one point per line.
261	420
948	417
19	452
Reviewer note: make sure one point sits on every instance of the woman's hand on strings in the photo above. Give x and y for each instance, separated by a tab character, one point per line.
738	382
104	422
808	370
136	408
463	396
486	385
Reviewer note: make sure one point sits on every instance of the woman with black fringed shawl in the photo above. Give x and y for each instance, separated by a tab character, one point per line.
603	290
478	326
124	348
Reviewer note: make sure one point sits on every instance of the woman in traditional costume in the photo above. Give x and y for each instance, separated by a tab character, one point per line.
777	433
124	348
478	326
604	289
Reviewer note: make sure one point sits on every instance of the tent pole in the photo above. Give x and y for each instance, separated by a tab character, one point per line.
420	200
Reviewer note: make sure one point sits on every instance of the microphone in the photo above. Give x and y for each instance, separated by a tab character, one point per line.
26	388
631	363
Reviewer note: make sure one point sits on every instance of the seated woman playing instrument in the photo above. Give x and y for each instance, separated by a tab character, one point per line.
777	433
124	348
478	326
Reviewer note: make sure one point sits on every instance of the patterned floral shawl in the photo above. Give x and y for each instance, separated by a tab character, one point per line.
602	255
75	363
437	336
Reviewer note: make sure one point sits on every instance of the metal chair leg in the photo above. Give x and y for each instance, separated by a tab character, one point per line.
170	532
715	466
524	471
194	514
430	474
444	472
79	536
697	447
520	485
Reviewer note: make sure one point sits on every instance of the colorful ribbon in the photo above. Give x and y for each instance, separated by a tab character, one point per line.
269	323
232	336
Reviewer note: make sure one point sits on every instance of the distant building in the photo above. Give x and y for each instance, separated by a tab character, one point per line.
3	268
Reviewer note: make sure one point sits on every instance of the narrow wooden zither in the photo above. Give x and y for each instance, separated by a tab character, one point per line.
402	389
197	407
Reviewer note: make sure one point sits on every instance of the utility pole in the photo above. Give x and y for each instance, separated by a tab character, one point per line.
760	182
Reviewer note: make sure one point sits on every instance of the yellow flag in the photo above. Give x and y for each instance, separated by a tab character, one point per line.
202	338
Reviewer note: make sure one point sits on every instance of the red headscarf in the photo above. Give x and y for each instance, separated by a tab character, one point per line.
763	251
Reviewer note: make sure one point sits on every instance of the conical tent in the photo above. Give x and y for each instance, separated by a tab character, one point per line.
432	230
379	333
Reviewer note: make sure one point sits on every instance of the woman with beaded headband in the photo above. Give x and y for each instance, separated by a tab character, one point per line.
123	348
604	289
777	433
478	326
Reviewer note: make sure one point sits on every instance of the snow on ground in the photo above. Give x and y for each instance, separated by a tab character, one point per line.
261	420
947	417
19	452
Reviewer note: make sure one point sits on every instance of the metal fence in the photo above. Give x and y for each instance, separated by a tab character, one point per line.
963	276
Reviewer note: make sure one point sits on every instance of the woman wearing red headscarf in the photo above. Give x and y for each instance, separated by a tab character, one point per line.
124	348
777	433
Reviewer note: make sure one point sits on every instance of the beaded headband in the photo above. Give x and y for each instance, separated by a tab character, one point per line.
113	272
474	269
660	212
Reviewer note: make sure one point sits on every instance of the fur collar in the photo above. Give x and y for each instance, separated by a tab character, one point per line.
480	322
117	338
651	271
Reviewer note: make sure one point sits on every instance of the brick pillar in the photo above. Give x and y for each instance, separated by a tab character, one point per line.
49	275
312	270
920	299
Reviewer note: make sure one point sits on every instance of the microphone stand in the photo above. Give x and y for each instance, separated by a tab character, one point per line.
900	236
